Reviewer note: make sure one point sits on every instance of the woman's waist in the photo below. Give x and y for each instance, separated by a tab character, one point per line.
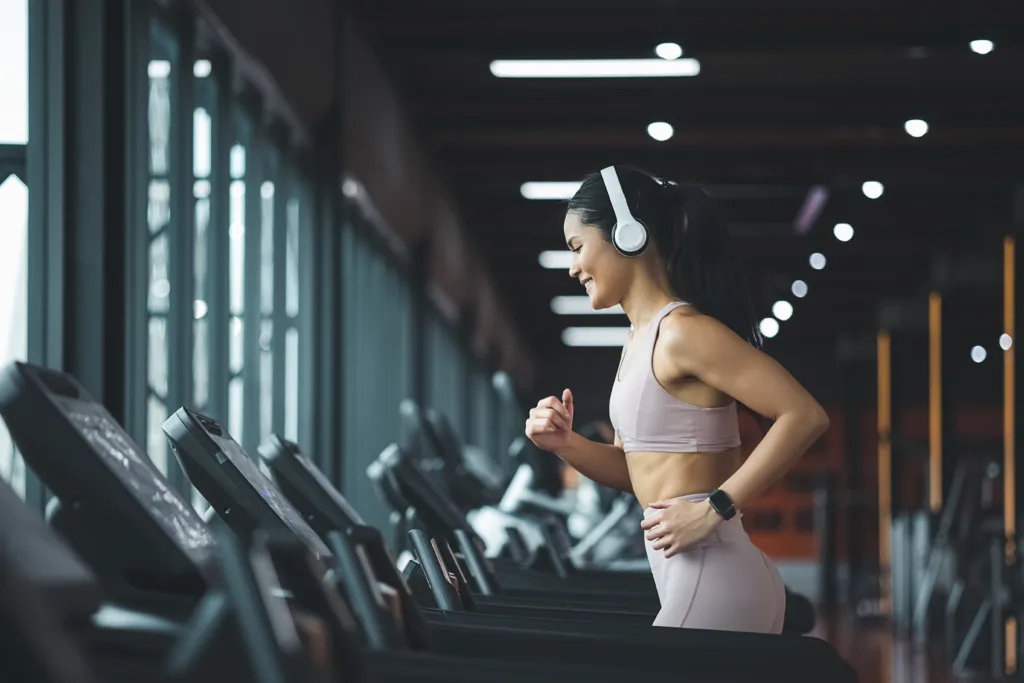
661	476
727	530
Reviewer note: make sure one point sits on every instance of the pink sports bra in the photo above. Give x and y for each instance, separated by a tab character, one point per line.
649	419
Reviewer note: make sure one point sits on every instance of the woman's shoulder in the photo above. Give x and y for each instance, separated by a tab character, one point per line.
687	333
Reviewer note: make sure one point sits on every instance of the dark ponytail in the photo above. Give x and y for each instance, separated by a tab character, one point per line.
692	239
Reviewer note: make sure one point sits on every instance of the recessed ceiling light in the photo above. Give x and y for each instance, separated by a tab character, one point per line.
769	327
843	232
799	289
982	47
660	131
916	128
783	310
872	189
669	51
818	261
979	354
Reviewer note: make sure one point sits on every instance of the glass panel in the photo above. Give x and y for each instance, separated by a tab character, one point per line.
291	256
235	397
199	504
158	210
237	346
14	71
13	302
201	361
266	378
156	440
202	127
159	285
236	257
158	356
159	116
291	384
267	248
237	162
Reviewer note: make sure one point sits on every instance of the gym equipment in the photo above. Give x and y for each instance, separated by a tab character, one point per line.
327	511
191	449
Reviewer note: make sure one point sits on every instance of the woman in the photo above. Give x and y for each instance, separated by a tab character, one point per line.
662	251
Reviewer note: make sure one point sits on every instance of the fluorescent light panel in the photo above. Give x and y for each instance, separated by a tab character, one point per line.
595	336
556	260
594	68
558	190
580	305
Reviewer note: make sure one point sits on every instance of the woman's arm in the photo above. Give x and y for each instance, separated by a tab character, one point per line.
702	347
601	463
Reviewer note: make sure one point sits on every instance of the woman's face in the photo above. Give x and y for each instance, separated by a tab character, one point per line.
595	263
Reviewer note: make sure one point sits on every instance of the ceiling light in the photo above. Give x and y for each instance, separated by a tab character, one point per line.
799	289
669	51
872	189
978	354
556	260
843	232
818	261
549	191
660	131
769	327
916	128
594	68
595	336
1005	342
982	47
580	305
783	310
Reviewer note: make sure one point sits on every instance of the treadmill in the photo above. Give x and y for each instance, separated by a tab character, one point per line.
330	514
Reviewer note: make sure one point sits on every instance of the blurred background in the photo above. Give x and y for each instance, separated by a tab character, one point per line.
293	215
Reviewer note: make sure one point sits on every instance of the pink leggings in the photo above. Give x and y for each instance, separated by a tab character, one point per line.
723	583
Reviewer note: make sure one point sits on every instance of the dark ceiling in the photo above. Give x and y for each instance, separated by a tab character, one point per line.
791	95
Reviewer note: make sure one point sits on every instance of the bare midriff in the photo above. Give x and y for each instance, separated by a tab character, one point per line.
660	476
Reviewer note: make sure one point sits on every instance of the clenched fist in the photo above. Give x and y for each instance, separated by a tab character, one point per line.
550	423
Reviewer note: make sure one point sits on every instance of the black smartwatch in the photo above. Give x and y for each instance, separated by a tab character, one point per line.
722	504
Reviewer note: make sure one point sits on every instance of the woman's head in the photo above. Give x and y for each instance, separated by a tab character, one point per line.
690	254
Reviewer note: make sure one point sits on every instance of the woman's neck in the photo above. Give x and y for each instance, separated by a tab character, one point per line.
643	301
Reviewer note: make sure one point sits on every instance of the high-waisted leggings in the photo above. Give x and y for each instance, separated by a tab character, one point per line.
723	583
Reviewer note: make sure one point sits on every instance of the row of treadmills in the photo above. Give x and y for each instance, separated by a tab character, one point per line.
124	581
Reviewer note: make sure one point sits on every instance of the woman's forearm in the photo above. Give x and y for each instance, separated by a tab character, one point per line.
602	463
780	449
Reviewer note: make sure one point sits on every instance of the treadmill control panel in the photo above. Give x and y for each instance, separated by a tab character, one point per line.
142	479
264	486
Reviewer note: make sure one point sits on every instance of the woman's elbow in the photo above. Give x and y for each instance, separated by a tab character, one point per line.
817	419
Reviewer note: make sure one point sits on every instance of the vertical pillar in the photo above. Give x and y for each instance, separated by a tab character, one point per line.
853	447
935	469
884	465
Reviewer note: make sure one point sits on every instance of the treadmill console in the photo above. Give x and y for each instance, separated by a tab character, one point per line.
118	510
233	484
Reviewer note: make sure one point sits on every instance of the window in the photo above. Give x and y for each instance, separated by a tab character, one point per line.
236	286
13	210
202	163
160	229
293	228
13	304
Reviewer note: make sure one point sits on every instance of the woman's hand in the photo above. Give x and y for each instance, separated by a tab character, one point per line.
550	423
679	524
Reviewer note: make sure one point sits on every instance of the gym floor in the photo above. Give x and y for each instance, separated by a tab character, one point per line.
880	657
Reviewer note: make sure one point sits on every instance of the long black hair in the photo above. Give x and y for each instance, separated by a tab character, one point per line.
691	237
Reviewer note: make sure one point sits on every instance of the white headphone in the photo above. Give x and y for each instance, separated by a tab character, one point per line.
629	234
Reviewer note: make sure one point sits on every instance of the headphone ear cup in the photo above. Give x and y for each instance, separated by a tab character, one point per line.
630	238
